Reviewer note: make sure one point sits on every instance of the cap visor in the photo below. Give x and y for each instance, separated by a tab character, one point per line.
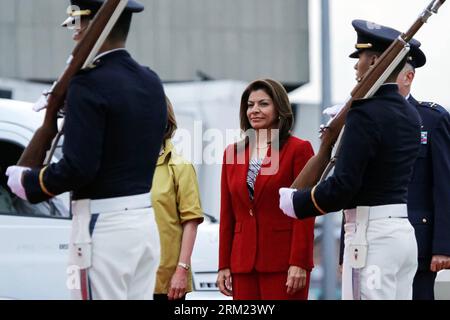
67	22
355	55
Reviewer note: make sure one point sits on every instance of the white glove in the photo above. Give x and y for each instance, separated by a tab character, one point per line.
286	204
15	174
333	110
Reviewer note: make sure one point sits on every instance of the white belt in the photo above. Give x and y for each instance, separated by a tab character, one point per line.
120	204
380	212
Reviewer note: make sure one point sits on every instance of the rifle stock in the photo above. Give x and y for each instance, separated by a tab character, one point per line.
322	163
35	153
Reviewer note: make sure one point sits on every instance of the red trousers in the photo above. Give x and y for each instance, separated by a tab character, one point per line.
265	286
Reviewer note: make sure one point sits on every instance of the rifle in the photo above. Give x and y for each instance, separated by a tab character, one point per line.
81	57
320	165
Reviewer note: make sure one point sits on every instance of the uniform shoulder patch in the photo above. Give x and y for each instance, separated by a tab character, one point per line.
433	106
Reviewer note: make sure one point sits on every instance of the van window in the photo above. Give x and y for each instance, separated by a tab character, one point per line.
5	94
6	204
9	203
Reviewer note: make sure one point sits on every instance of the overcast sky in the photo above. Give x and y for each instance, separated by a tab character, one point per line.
432	81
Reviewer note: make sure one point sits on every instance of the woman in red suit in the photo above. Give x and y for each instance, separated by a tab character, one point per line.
263	254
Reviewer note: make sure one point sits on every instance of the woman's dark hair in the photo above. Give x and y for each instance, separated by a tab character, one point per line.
280	99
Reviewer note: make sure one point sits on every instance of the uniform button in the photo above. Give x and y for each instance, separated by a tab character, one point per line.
251	212
424	220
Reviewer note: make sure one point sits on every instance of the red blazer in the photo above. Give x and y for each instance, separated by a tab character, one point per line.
256	235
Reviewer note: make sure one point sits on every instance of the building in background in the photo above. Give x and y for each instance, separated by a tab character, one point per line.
183	40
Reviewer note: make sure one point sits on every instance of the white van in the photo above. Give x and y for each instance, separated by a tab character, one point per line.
34	238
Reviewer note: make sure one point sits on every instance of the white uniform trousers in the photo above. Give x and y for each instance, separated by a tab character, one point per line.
124	256
391	260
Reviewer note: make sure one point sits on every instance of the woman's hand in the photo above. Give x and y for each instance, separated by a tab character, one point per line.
224	282
296	279
178	284
439	262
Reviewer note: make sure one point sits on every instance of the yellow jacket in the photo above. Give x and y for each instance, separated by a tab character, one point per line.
175	199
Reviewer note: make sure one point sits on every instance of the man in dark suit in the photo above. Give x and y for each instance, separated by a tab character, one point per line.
378	150
115	121
429	190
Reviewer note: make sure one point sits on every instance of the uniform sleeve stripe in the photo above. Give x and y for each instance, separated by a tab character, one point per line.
41	183
313	190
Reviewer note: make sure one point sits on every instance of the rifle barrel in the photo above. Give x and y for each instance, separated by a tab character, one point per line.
35	153
321	162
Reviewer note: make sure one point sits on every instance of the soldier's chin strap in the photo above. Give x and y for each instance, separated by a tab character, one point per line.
73	14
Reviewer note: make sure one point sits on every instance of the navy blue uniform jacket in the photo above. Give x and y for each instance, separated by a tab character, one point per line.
115	120
379	148
429	190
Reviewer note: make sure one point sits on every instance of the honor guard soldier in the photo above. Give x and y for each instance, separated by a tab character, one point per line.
115	121
379	147
429	190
